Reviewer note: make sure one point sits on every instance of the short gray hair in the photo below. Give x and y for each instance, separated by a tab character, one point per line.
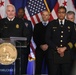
11	6
71	12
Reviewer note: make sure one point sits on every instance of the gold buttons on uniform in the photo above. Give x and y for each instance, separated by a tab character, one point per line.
54	30
61	31
61	40
61	45
61	35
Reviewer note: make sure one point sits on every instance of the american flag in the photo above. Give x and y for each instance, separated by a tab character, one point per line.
34	8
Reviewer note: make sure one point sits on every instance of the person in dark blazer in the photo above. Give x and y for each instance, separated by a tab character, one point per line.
28	24
60	37
12	26
39	39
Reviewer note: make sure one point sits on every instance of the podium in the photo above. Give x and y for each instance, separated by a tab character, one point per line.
18	42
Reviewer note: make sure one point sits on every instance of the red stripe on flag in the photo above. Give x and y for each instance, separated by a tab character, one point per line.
32	48
56	8
25	17
33	20
0	17
37	18
9	1
73	1
51	18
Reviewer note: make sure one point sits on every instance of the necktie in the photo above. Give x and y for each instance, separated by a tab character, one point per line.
44	24
61	22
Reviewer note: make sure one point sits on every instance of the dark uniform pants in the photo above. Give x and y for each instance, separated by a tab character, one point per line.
59	69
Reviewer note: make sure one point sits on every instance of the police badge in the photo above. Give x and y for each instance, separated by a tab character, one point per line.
17	26
26	24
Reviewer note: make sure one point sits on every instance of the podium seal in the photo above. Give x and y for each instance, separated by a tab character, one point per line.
8	53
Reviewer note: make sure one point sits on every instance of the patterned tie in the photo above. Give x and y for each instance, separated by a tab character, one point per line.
45	24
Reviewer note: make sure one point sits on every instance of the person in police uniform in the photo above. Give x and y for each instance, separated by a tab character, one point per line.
60	37
28	24
12	26
20	14
39	39
71	17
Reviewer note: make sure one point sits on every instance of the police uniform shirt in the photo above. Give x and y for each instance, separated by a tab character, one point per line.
29	28
58	35
14	28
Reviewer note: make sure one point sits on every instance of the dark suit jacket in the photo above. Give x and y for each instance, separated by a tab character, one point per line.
60	36
39	34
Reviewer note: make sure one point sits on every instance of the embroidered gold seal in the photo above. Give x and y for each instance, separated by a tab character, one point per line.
8	53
